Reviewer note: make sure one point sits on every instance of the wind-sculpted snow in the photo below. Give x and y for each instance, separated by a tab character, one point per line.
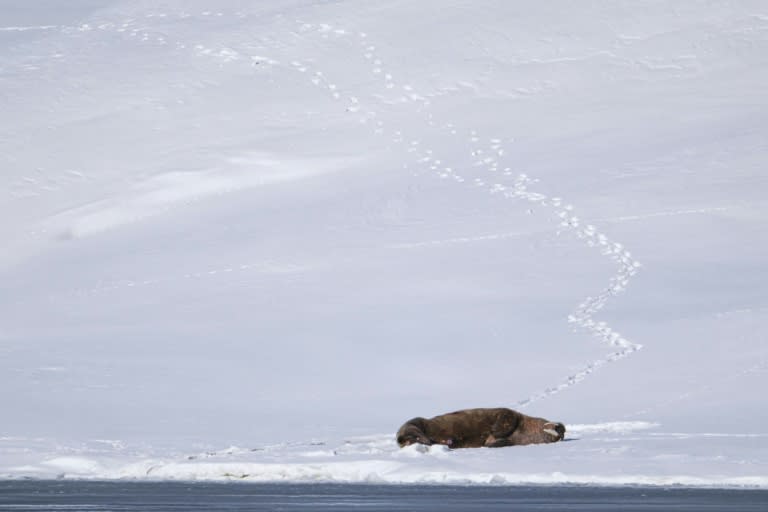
158	194
25	29
488	168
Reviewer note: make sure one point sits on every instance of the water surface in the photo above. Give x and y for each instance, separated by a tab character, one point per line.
238	496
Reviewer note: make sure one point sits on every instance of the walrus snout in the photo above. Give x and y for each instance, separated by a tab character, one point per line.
556	430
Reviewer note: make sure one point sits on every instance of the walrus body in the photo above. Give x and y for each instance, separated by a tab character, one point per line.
474	428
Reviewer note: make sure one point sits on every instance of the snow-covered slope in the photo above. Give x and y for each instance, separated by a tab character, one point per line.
287	227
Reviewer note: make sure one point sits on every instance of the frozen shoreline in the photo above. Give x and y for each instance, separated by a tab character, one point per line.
592	456
639	482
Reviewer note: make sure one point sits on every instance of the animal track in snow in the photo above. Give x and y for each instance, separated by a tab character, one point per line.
487	155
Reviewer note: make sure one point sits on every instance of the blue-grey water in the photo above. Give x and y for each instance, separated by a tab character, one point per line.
178	496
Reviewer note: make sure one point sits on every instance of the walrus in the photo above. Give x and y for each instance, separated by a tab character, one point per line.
475	428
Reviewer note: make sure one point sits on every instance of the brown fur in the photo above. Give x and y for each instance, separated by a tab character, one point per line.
474	428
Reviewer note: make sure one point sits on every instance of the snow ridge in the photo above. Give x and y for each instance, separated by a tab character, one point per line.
26	29
489	159
378	459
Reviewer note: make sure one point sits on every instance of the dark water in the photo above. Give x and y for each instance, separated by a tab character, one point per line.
176	496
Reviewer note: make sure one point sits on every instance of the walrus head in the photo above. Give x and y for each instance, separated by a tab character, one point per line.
413	432
554	431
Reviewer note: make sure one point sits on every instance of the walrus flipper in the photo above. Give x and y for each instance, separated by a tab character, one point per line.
493	442
505	425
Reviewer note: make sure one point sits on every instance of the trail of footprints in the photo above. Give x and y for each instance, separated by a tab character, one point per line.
488	154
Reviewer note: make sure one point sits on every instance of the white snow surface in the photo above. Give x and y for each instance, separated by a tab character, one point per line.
248	240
